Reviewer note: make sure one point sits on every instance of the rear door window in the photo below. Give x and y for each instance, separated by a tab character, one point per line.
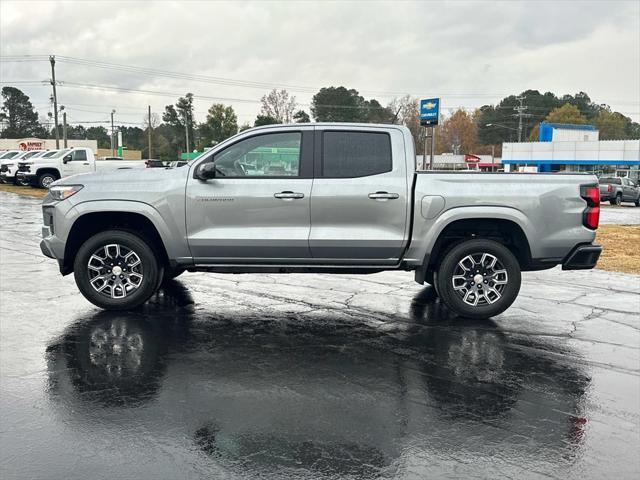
355	154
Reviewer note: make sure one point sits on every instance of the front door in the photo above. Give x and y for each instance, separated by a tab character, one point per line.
79	163
360	196
256	209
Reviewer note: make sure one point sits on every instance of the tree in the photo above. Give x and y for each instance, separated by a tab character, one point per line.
176	117
221	124
373	112
611	125
244	126
265	120
457	134
278	105
567	113
99	134
406	111
301	117
18	113
338	104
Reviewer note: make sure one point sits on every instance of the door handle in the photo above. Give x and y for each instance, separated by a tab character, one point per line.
383	196
288	195
86	163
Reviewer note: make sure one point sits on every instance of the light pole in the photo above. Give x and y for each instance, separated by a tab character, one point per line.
113	149
502	126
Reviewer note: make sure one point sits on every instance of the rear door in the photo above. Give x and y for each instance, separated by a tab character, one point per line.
360	196
256	209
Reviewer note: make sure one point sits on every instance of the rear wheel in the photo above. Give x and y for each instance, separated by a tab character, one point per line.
116	270
478	279
617	200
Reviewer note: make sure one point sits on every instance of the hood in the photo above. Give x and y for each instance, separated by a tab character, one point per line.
125	177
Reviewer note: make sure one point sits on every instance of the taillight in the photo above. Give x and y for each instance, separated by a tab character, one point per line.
609	188
591	214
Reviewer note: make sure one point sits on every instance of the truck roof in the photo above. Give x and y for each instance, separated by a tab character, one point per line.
330	124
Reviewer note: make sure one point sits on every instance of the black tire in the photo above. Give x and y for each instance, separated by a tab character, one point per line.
171	273
484	308
617	200
637	202
46	179
150	269
21	182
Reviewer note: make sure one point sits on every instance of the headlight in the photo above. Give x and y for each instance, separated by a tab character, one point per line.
62	192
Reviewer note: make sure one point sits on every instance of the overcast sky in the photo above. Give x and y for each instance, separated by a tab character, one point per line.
469	53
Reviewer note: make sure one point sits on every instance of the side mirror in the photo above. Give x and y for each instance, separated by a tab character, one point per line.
67	158
206	171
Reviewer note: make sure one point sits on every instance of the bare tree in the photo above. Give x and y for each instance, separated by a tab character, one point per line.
278	105
406	111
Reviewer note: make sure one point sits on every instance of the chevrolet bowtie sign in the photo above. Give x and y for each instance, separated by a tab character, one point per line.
429	111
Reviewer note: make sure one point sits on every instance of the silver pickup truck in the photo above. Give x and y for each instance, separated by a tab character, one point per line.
328	198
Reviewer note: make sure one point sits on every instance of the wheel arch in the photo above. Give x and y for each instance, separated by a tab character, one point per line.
88	224
52	170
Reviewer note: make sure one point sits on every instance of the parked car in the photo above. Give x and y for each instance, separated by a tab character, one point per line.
153	163
344	198
178	163
9	167
617	190
43	171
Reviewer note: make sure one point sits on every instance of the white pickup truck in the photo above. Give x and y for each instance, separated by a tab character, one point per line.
43	171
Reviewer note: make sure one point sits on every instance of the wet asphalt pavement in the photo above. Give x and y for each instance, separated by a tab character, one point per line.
626	214
312	376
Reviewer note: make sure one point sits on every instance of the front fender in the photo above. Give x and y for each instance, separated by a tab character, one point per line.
171	233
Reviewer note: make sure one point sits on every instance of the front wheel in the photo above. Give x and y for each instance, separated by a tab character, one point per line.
46	179
478	279
116	270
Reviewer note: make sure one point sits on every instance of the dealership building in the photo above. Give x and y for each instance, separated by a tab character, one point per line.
573	148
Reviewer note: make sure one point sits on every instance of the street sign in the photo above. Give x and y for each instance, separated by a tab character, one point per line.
429	112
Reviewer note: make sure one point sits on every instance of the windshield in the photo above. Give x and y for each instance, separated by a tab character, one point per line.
59	153
9	154
31	154
613	181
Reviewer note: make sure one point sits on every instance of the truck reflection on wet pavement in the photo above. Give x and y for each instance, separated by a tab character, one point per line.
266	395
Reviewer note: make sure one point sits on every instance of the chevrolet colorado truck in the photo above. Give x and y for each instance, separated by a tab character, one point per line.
45	170
328	198
617	190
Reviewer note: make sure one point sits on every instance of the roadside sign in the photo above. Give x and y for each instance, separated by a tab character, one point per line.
429	111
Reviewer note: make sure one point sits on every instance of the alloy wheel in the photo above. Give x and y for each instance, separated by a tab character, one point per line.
115	271
480	279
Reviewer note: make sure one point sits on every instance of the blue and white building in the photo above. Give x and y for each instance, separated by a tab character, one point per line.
573	148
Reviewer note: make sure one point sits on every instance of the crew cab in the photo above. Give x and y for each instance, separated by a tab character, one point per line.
617	190
330	198
43	171
9	167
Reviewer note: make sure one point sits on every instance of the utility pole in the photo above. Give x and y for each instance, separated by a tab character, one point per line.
149	155
52	60
186	130
433	146
521	108
64	128
113	148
